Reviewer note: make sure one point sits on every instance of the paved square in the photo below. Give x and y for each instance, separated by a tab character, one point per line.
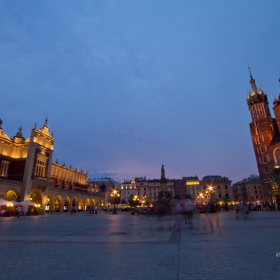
123	246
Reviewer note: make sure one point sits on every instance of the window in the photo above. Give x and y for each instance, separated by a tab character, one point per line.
266	170
4	168
220	196
225	186
218	187
255	187
40	168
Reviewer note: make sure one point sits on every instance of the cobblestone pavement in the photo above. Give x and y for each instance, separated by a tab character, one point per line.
123	246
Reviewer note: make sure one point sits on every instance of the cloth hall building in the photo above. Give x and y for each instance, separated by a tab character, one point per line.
27	173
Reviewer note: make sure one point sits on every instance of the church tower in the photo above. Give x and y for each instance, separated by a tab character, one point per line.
263	129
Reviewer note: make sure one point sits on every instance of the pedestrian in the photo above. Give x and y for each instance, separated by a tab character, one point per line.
19	209
236	210
95	208
259	206
188	210
72	209
25	210
245	210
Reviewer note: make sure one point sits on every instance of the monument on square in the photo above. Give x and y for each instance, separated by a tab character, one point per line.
163	184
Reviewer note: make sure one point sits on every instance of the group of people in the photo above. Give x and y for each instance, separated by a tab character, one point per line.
242	210
92	209
22	210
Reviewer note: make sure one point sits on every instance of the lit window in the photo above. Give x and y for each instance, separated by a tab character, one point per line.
40	168
4	168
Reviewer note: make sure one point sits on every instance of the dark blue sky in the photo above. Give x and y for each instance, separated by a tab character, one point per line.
131	85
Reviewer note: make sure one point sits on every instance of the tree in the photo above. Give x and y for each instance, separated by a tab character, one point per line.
123	201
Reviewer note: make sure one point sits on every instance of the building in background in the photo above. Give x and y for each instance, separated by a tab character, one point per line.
212	186
215	187
128	190
249	189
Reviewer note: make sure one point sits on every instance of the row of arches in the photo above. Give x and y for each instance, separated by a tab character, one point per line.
56	202
59	203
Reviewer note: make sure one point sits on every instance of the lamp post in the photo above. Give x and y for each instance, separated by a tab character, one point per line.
211	192
115	194
135	199
200	196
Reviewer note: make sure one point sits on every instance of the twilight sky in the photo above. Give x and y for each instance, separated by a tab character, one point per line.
131	85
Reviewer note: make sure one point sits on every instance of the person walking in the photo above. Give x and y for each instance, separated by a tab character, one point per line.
188	207
259	206
236	210
19	209
25	210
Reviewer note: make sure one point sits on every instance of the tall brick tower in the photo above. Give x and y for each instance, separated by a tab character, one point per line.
263	130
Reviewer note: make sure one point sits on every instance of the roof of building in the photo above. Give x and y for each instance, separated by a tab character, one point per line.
251	179
190	178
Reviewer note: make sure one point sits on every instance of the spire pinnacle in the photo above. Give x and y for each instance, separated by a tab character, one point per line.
250	71
254	89
19	133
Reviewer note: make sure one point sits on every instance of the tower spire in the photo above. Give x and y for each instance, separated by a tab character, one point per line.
250	71
252	82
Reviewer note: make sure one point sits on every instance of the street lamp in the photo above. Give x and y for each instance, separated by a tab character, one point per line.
115	194
211	192
200	196
135	198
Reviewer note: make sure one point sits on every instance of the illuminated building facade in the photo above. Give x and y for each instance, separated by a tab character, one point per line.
249	190
266	140
216	187
27	173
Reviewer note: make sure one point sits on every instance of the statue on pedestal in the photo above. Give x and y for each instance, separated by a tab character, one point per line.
162	177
